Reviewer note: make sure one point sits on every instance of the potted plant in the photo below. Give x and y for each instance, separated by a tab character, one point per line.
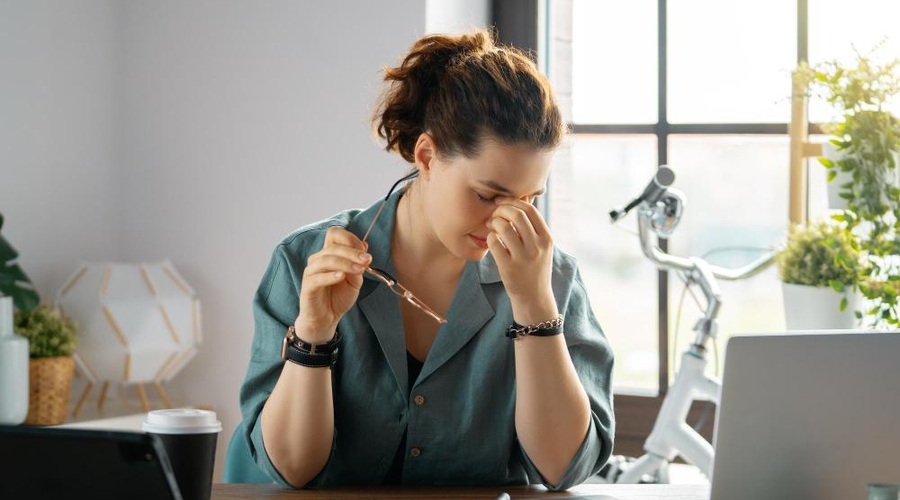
864	163
51	339
820	270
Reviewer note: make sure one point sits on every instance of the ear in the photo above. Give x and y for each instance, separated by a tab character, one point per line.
424	153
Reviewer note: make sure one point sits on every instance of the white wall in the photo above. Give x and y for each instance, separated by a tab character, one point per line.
202	131
456	16
58	169
244	121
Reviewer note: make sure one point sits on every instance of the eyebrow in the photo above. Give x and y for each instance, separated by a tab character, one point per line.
497	187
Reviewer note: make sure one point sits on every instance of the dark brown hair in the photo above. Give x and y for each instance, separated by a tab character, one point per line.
463	89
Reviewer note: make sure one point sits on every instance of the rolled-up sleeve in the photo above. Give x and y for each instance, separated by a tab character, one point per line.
593	360
274	307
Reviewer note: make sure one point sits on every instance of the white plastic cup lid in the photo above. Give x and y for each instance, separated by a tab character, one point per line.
181	421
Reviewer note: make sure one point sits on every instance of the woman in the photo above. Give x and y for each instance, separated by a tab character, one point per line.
439	336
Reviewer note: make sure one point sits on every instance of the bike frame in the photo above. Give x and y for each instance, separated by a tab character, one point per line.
671	435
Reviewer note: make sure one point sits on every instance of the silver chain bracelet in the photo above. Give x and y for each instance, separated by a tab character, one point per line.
542	329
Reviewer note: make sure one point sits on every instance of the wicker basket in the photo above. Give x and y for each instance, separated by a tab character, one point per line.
50	380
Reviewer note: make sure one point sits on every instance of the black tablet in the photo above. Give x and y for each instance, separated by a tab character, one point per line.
48	462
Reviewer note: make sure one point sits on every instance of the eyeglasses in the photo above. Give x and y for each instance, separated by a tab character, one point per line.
386	278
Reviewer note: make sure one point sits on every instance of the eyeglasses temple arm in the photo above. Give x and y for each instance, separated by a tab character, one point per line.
372	224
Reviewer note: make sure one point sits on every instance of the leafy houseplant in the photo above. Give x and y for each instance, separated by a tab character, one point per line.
13	281
820	254
821	258
51	345
868	142
49	334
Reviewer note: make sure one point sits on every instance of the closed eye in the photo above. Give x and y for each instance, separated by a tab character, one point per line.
485	199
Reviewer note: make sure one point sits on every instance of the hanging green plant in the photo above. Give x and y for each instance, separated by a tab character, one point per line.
868	141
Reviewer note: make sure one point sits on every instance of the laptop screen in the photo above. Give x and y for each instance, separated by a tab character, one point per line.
811	415
43	462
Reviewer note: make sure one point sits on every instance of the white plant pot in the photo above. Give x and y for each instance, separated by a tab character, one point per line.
815	308
835	202
13	369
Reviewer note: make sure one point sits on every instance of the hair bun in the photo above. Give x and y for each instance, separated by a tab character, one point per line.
455	87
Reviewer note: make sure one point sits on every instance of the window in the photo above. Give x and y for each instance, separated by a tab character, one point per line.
836	28
651	84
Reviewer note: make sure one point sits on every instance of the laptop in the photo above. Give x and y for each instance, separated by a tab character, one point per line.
47	462
808	416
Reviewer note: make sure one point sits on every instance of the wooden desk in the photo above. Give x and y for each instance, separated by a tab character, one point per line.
614	492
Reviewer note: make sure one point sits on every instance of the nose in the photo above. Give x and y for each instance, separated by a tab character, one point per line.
488	213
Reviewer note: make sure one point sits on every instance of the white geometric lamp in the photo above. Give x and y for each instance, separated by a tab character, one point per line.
138	323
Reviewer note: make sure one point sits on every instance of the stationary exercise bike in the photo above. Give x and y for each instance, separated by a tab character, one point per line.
659	211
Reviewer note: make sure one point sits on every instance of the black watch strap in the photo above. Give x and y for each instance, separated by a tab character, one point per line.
325	348
297	351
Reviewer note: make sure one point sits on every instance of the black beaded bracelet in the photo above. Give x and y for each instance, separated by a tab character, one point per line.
547	328
297	351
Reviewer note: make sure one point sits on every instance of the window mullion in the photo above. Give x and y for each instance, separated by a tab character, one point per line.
662	141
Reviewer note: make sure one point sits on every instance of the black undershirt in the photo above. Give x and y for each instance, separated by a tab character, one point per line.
395	473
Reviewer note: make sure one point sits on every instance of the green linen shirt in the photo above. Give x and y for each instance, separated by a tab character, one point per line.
463	427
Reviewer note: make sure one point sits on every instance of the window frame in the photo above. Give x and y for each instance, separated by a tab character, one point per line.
527	25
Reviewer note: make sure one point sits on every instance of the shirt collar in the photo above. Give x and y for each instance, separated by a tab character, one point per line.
380	239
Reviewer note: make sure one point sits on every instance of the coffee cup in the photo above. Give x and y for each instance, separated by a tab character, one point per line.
883	491
189	437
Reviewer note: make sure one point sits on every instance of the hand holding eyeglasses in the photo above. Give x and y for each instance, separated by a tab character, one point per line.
331	283
522	246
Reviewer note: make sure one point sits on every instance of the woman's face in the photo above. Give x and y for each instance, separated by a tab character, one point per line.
459	192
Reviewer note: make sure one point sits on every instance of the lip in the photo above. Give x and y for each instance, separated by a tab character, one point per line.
481	242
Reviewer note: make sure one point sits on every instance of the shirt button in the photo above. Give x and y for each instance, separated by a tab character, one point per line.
415	452
419	400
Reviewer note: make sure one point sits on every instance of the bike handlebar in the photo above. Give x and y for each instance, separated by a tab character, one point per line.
700	272
647	202
676	263
658	214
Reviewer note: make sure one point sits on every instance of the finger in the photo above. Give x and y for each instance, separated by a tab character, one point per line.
317	281
325	263
340	236
520	222
511	238
531	212
528	211
354	280
500	253
345	252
